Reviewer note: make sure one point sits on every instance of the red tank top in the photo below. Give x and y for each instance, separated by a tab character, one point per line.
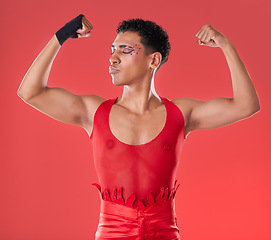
132	174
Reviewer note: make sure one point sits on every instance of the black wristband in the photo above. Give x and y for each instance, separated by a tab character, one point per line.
69	29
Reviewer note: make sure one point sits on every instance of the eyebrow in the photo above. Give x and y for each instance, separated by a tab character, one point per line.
121	46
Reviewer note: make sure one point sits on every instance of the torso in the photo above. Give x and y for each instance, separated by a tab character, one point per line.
137	151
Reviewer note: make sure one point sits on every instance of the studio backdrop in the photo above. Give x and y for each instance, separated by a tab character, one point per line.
46	167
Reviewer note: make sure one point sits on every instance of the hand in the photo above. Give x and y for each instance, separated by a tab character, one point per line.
85	31
77	27
208	36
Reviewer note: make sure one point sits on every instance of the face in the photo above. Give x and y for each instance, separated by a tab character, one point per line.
131	65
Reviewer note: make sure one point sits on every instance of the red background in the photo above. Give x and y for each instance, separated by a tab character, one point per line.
47	166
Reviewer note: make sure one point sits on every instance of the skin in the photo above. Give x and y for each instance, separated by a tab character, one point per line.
139	114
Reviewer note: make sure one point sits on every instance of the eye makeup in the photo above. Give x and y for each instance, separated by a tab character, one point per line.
137	48
129	49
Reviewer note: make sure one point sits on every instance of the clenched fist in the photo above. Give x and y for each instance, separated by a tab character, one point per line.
77	27
209	36
85	31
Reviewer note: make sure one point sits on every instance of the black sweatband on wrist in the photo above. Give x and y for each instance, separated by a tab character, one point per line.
69	29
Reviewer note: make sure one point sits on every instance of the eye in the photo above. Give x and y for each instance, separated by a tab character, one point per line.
128	50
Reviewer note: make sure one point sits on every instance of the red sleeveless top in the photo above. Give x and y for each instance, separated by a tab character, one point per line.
135	174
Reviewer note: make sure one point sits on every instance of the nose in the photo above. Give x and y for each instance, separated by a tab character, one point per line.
114	59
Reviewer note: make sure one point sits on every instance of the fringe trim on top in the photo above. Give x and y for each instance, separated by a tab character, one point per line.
164	195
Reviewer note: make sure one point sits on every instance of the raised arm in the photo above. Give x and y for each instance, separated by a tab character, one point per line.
221	111
58	103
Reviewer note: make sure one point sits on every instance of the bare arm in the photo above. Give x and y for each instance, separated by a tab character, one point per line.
57	103
222	111
36	78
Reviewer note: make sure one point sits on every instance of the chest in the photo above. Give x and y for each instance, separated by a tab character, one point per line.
137	129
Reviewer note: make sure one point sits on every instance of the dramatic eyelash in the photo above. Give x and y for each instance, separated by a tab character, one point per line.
129	51
124	52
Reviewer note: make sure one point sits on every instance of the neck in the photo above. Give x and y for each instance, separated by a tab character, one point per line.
139	98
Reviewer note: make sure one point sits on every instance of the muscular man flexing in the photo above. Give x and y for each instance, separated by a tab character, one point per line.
137	137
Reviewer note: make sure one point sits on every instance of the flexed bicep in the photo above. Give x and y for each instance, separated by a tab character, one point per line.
66	107
215	113
59	104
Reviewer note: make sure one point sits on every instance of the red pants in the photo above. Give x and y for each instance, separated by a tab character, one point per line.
156	221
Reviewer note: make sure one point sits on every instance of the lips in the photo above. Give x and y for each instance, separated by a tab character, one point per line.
113	70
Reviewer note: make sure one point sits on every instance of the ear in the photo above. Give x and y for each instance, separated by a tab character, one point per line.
156	59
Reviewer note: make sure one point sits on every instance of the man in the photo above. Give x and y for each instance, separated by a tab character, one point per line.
137	137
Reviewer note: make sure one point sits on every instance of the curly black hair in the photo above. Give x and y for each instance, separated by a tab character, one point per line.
153	37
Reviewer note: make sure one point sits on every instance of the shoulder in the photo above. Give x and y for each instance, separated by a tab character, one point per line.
91	104
186	106
92	101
